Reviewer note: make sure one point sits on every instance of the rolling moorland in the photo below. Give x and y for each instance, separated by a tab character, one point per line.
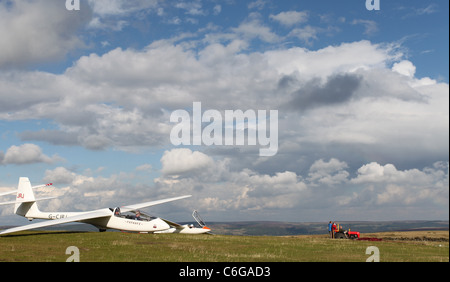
414	241
56	246
277	228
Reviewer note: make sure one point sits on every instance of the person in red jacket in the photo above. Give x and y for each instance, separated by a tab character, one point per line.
333	229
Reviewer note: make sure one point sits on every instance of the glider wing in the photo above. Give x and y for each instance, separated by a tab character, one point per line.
83	216
149	204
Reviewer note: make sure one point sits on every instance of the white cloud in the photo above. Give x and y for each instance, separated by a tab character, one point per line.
182	161
120	7
193	8
306	34
413	187
27	154
330	173
122	99
258	4
254	28
343	58
404	67
83	192
290	18
242	193
328	189
37	31
60	175
374	172
114	14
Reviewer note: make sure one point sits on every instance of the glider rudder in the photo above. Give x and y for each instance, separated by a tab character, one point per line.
25	202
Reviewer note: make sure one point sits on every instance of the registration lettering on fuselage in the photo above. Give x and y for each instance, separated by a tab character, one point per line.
56	216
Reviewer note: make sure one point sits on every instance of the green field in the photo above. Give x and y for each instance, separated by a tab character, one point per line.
423	246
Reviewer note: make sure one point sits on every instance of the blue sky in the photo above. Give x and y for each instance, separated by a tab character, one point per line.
419	25
362	97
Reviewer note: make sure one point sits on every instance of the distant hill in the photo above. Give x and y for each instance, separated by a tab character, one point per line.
275	228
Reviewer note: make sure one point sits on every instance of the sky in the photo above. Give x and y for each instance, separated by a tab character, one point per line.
361	96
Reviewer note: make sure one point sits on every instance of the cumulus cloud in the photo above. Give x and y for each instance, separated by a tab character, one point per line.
123	98
81	191
37	31
346	57
222	188
330	173
386	186
405	67
356	124
337	89
62	175
182	161
330	187
26	154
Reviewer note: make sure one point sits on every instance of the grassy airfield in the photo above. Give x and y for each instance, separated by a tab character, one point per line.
37	246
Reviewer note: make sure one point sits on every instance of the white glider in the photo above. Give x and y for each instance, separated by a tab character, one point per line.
107	218
187	228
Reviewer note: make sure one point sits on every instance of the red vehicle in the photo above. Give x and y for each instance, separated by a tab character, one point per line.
340	233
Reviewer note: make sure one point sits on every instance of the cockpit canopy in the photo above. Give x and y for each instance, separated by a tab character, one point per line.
135	214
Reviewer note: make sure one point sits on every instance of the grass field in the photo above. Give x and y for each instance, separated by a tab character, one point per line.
417	246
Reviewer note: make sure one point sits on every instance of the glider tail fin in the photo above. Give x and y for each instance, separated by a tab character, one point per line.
25	202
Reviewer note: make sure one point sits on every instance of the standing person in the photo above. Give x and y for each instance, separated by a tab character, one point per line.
330	225
333	229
